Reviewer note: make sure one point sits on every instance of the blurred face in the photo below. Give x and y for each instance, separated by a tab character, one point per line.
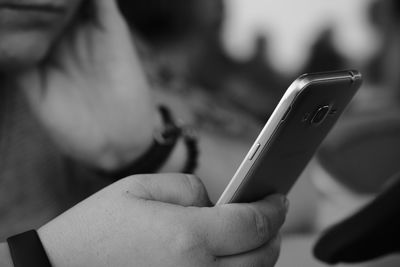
29	27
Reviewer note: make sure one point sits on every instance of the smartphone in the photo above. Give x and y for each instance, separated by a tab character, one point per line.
306	113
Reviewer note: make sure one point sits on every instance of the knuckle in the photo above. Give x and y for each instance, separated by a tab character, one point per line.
124	181
262	224
133	180
135	186
197	189
193	183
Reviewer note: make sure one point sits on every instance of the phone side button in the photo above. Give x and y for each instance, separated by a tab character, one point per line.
254	151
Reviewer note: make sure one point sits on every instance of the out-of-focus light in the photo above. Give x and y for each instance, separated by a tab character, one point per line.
292	26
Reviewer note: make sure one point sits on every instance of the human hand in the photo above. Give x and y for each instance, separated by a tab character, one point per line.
91	93
164	220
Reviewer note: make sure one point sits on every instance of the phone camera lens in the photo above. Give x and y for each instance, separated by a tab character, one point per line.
320	115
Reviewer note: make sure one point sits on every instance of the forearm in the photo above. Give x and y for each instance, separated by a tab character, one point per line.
5	257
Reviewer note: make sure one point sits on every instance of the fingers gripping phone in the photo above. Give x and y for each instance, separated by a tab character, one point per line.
304	116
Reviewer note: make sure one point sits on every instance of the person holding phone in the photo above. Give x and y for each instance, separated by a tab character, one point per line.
73	93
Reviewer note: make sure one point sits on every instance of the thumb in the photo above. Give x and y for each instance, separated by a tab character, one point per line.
180	189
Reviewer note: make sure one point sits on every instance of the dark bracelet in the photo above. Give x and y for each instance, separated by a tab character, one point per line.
193	152
163	144
26	249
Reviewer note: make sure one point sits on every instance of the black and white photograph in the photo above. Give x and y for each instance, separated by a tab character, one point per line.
199	133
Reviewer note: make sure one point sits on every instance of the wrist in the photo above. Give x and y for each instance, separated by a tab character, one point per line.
174	149
59	239
26	249
114	156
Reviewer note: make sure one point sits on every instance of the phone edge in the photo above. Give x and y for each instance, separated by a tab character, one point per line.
264	136
275	119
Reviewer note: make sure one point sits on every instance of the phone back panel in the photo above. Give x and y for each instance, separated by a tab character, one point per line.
295	140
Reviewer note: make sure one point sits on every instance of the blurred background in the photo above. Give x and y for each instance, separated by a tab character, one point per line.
254	50
223	66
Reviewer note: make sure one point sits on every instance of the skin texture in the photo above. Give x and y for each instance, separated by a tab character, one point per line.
164	220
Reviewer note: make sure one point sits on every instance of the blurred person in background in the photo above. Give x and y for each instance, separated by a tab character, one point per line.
75	109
